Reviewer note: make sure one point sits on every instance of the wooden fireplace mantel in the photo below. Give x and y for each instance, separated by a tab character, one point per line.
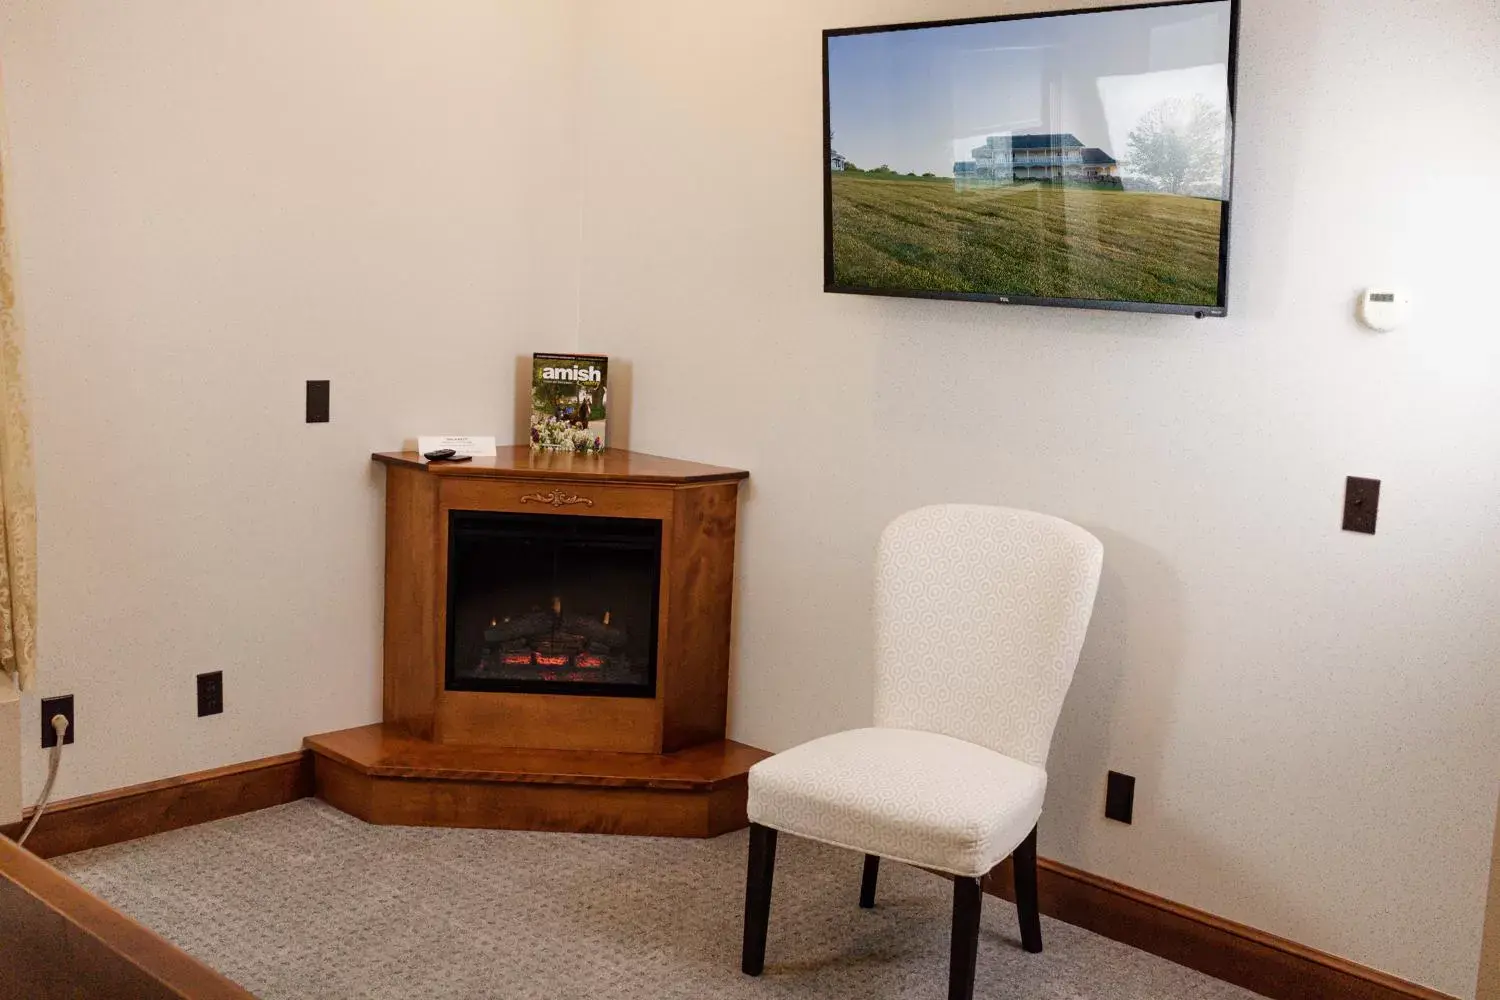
610	466
532	760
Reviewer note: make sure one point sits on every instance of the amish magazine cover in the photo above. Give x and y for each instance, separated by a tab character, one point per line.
568	401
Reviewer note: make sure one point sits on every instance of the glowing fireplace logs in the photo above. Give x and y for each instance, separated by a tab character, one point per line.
552	641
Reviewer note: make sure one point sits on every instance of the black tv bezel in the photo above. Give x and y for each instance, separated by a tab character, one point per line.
1218	310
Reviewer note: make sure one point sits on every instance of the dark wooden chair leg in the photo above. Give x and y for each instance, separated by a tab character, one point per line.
1023	863
968	900
758	877
867	883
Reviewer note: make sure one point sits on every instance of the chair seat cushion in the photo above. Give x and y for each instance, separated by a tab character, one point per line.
903	794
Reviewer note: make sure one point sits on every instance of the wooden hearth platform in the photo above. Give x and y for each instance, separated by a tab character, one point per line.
382	775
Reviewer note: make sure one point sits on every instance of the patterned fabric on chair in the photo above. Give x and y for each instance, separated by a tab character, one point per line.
980	615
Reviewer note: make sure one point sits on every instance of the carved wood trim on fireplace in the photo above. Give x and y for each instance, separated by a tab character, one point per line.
557	498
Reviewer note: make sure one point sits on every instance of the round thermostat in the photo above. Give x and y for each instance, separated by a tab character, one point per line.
1384	309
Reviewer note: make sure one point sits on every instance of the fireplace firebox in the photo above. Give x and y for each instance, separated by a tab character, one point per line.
552	603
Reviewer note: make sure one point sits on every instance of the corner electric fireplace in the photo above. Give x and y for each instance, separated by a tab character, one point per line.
557	633
552	603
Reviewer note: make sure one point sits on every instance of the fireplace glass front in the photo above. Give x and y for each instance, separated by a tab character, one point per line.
552	603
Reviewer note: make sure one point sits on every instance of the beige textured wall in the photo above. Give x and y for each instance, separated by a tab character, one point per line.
1311	714
215	202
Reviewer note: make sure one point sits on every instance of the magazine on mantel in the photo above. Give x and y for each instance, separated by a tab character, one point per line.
568	402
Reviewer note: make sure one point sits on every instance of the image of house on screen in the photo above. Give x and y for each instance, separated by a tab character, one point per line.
1006	159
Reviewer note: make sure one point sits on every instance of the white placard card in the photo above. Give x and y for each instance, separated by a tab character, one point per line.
474	447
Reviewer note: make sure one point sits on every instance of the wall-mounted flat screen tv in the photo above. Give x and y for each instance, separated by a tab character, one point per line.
1074	158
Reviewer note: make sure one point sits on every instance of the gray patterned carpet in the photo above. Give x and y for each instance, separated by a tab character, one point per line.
302	901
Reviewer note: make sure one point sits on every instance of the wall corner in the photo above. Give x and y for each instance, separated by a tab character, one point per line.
1489	957
10	752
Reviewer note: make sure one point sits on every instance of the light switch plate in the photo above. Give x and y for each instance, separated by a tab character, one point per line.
1119	797
1361	504
317	401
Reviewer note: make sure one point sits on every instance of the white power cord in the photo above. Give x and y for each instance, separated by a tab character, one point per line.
59	726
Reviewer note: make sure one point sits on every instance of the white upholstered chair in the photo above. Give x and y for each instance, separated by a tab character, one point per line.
980	614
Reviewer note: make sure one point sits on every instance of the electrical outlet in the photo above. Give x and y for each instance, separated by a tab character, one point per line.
1119	797
210	693
62	705
317	401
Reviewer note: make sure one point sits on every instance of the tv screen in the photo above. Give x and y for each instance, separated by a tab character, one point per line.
1080	158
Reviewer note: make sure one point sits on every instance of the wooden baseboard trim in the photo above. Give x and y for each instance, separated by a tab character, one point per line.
158	806
1272	966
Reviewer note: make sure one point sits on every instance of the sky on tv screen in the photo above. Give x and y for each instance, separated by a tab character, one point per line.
921	100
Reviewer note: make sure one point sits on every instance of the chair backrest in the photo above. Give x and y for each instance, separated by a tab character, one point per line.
980	614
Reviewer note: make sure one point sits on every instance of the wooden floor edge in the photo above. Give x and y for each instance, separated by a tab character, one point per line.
65	942
1272	966
122	814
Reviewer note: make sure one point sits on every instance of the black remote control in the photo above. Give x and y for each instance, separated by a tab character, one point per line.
440	455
